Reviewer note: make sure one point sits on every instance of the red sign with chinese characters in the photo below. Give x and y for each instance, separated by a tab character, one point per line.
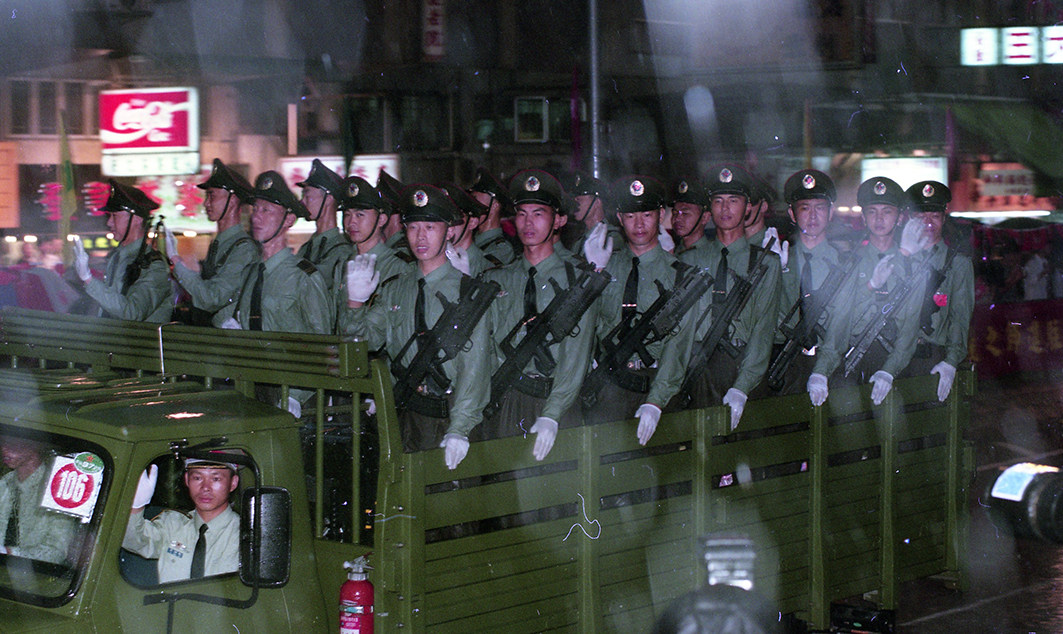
149	120
1016	337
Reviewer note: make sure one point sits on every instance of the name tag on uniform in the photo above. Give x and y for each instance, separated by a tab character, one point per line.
174	552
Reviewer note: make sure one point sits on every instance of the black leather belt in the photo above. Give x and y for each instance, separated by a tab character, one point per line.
424	405
534	385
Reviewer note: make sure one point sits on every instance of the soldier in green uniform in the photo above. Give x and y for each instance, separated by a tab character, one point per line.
390	190
761	198
690	201
286	293
546	396
882	267
321	191
725	378
232	255
641	387
409	307
136	285
463	254
29	530
489	191
365	214
945	314
589	194
810	195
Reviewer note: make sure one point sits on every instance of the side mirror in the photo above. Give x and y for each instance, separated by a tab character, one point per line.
273	531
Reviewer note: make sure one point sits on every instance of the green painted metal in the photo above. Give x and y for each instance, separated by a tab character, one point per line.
840	500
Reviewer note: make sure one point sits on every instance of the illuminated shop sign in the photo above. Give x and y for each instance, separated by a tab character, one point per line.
1012	46
149	131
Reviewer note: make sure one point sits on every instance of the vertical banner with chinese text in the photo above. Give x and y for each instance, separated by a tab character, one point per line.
433	42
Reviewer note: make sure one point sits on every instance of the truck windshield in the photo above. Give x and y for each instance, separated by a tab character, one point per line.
50	489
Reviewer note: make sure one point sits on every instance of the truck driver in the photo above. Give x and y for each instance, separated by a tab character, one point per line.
191	545
27	529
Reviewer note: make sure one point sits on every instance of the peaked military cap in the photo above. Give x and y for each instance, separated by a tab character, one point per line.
689	190
536	186
762	191
729	179
880	190
582	184
389	188
222	455
808	183
487	183
421	201
131	199
323	178
929	196
357	193
631	194
270	186
465	203
224	177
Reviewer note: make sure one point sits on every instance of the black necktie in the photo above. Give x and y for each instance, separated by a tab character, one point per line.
209	266
719	285
420	325
11	534
255	318
806	282
529	295
199	555
631	292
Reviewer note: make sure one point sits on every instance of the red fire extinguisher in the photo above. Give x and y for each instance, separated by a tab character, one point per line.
356	599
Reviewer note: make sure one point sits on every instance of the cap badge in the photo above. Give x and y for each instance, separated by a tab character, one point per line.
637	188
531	184
352	190
420	198
928	190
726	176
809	181
267	182
880	188
683	187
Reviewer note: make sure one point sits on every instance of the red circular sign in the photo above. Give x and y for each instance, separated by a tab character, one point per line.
71	488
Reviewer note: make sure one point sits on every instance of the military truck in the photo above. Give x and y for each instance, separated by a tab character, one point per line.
840	500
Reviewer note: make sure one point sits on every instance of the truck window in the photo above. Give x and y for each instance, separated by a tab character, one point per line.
51	494
184	523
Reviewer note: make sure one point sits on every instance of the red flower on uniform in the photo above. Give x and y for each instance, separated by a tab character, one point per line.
941	300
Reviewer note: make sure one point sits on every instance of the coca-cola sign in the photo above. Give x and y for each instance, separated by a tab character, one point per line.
149	120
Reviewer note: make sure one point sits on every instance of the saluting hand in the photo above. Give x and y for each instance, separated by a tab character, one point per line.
362	278
171	244
459	258
779	248
81	261
599	246
913	238
882	272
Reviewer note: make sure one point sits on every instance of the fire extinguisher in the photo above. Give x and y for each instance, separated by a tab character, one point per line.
356	599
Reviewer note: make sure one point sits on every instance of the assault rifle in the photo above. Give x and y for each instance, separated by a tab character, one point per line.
443	341
883	327
632	336
558	320
806	332
722	315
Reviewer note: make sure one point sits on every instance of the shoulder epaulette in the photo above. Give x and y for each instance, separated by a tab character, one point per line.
307	266
405	256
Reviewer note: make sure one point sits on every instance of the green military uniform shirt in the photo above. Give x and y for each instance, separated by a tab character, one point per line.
42	534
216	288
859	307
149	298
494	244
669	353
572	354
822	259
171	538
954	296
754	326
294	297
388	322
702	243
324	250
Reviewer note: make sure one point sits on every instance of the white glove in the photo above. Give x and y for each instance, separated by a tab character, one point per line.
231	324
362	278
370	406
81	261
455	447
882	272
459	258
546	430
171	244
665	239
649	415
947	372
295	408
779	248
146	487
913	238
599	246
817	388
883	383
736	399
